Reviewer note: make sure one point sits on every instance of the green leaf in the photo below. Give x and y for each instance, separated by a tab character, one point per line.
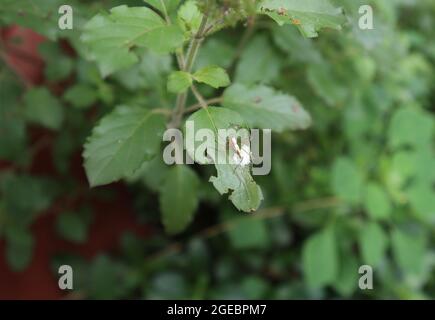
189	17
179	198
42	108
151	73
122	141
373	243
411	165
81	95
108	279
251	69
347	280
72	227
347	181
246	194
320	259
111	37
249	233
59	66
12	125
327	83
423	165
299	49
37	192
212	118
263	107
376	202
213	76
412	127
179	81
254	287
409	251
152	174
309	15
215	52
422	200
19	247
403	167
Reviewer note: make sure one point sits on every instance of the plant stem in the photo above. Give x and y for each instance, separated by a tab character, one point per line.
196	44
187	67
198	105
199	96
178	111
180	58
263	214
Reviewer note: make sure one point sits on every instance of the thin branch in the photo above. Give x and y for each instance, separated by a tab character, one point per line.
315	204
178	111
179	54
196	44
215	230
264	214
165	112
197	106
198	96
187	67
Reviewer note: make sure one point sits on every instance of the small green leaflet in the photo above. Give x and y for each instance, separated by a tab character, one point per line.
247	233
189	17
373	243
60	65
179	81
320	259
263	107
72	227
347	181
327	84
411	126
19	248
347	280
214	76
422	200
121	143
252	70
179	198
308	15
299	49
38	192
81	96
376	202
111	37
215	52
409	251
246	194
42	108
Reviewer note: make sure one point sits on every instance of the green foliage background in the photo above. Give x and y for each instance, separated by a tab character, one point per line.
357	187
